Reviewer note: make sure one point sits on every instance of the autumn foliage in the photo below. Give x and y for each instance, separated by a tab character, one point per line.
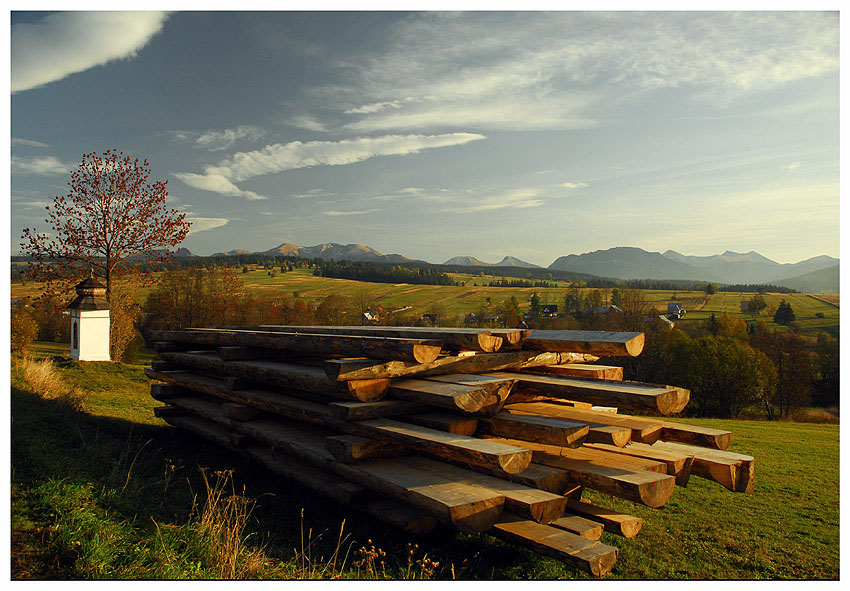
112	221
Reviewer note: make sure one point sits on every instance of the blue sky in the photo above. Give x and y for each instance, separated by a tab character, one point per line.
433	135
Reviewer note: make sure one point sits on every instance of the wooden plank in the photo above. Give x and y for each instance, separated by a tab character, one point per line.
597	433
589	555
602	343
444	421
591	470
581	526
678	464
466	398
402	516
286	375
531	503
584	370
642	430
551	430
355	411
238	411
459	339
733	470
621	524
694	435
509	458
634	395
536	476
415	349
354	448
467	362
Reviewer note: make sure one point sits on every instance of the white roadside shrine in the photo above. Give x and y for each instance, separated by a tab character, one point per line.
89	322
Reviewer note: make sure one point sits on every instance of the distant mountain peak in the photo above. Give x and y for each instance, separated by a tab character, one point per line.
510	261
467	261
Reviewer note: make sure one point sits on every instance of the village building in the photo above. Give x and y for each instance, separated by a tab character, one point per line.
89	314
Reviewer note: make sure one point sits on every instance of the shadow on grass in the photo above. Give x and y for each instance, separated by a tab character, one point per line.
146	475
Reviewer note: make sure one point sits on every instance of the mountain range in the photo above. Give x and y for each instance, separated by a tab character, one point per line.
815	275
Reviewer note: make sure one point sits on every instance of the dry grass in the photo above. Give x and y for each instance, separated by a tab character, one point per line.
45	380
816	415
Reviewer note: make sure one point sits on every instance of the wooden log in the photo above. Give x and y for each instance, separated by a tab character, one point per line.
238	411
402	516
617	478
162	412
531	503
694	435
468	362
589	555
355	411
414	349
678	464
510	336
733	470
597	433
602	343
247	354
240	383
206	409
621	524
165	391
634	395
581	526
466	398
285	375
582	370
443	421
353	448
642	430
551	430
458	339
508	458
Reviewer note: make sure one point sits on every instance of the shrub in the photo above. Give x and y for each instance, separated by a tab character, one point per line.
23	328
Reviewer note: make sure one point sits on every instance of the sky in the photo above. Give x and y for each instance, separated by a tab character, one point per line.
438	134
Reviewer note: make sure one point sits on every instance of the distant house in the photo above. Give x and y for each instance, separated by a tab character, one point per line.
675	310
369	317
470	319
549	310
428	320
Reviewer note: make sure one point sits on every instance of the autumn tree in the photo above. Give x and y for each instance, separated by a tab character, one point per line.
113	221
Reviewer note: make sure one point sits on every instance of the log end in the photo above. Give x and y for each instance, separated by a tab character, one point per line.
489	343
516	462
480	516
425	353
655	494
367	390
635	346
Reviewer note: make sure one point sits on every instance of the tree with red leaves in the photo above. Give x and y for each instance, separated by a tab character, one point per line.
113	222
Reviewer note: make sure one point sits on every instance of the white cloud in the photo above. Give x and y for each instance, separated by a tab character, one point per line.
16	141
306	122
547	70
361	212
221	139
294	155
217	184
572	185
39	166
202	224
794	165
64	43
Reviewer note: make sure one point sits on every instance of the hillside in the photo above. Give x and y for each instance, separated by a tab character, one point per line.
822	281
630	263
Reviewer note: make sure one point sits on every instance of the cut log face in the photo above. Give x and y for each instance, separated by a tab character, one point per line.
621	524
590	555
633	395
602	343
734	471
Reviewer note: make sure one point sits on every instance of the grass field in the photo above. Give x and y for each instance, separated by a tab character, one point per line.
454	302
102	489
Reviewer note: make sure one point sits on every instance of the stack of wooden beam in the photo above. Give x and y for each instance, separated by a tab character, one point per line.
494	431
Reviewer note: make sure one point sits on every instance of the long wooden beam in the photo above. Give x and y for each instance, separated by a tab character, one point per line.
733	470
468	362
589	555
377	347
299	377
633	395
458	339
678	463
602	343
550	430
621	524
642	430
584	370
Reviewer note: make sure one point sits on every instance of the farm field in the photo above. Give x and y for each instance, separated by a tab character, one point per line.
103	489
454	302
